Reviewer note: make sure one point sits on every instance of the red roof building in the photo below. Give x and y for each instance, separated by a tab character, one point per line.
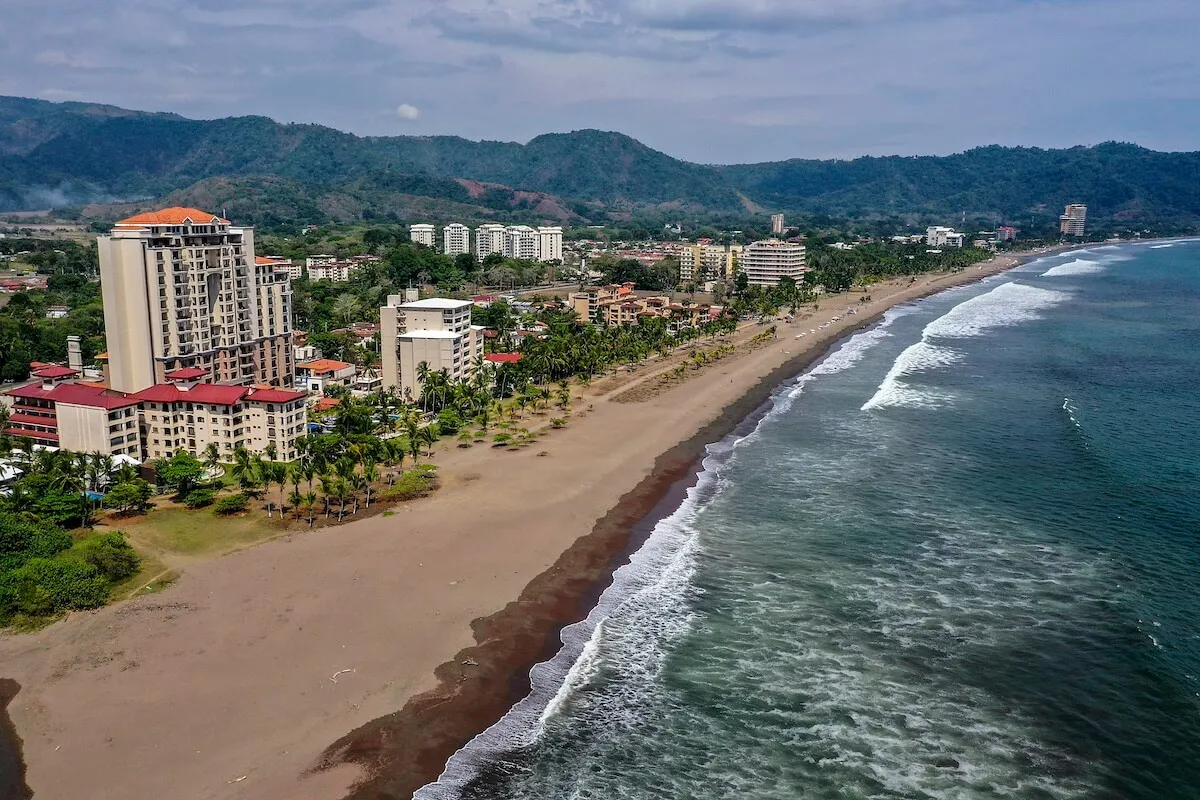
502	358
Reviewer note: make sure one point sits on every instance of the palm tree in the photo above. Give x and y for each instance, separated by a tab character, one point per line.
244	470
423	373
429	437
212	457
369	475
328	488
295	498
346	308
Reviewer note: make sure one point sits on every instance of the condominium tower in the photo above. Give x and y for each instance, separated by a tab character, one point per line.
436	332
777	224
422	234
769	261
456	239
1073	220
182	290
489	238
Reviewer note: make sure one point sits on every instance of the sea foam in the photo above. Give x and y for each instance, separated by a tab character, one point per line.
1077	267
1008	304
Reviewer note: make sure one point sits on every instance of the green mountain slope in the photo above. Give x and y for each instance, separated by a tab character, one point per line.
72	153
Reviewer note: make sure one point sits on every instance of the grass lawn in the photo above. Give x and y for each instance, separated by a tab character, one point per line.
175	531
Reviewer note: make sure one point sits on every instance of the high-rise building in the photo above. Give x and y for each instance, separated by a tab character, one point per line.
777	224
550	246
767	262
182	290
422	233
456	239
1073	220
436	332
489	238
523	242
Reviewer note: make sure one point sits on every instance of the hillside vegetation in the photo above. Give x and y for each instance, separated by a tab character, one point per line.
56	154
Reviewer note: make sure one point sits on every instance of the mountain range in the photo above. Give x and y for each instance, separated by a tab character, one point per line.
263	172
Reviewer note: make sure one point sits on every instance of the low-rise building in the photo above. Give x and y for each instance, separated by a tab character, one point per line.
293	269
315	376
56	411
58	312
588	302
939	236
187	414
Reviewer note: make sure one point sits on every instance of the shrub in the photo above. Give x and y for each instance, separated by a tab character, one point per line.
557	422
109	554
234	504
51	585
411	485
501	439
198	498
22	539
449	422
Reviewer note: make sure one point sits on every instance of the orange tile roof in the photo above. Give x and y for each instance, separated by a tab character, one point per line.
322	365
173	216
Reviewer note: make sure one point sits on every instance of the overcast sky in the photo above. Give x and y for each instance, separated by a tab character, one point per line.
717	81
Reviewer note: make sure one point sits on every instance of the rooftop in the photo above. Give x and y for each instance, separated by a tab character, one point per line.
503	358
323	365
211	393
185	374
75	394
274	396
427	334
444	303
175	216
54	371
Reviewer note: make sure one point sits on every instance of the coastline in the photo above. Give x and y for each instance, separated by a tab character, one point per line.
408	749
255	637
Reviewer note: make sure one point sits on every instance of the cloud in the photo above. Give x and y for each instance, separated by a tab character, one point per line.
408	112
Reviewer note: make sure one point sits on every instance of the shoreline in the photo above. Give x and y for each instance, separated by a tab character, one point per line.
423	735
263	639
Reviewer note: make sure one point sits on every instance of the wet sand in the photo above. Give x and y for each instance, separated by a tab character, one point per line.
234	682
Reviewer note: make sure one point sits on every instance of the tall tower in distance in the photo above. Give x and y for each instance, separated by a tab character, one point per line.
777	224
182	290
1073	220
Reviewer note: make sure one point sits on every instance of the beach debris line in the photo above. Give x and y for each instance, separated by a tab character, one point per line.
334	676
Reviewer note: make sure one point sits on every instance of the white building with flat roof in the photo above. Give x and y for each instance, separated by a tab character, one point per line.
489	238
436	332
456	239
768	261
938	236
550	244
422	233
523	242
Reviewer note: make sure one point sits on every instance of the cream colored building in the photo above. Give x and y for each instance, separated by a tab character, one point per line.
182	289
187	414
768	261
708	262
523	242
56	411
422	233
456	239
1073	220
436	331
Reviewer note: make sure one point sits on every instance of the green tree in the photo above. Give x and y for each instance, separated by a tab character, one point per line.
182	470
130	497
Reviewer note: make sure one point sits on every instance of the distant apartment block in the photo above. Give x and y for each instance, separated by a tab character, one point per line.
182	289
708	262
333	272
489	238
436	332
1073	220
938	236
523	242
1006	233
422	234
456	239
550	245
777	224
294	270
768	261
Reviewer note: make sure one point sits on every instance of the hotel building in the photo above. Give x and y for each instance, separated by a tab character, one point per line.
55	411
938	236
182	290
769	261
1073	220
550	245
436	331
489	238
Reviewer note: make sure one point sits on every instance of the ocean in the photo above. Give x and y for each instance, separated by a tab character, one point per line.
958	558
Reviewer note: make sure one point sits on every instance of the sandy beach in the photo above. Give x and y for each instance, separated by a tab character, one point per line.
330	664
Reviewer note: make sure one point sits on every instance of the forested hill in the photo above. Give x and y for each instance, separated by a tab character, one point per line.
72	153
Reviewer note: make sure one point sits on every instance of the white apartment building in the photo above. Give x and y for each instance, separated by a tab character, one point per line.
422	234
938	236
550	244
456	239
182	289
768	261
522	241
1073	220
489	238
437	332
281	264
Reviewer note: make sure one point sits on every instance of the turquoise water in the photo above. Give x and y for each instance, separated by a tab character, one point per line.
957	559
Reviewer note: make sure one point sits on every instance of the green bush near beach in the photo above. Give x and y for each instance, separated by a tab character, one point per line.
412	485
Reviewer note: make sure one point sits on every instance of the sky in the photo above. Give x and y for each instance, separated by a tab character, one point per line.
711	81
